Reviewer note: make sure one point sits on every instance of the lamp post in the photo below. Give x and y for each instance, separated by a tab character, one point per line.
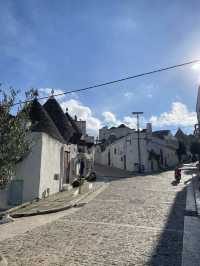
138	139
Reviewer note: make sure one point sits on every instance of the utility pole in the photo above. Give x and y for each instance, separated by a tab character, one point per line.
138	139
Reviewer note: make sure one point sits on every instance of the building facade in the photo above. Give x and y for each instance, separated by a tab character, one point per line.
54	157
81	124
157	152
114	132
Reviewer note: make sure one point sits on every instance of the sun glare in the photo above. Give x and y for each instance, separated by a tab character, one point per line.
196	66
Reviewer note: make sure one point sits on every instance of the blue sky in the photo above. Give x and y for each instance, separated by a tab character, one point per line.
73	44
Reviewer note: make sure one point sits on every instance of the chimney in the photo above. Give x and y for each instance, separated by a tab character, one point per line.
149	128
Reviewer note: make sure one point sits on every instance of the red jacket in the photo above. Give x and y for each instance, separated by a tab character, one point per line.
178	172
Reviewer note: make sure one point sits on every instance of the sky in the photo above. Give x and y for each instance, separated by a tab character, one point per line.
67	45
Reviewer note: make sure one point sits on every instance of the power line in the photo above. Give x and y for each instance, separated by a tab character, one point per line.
116	81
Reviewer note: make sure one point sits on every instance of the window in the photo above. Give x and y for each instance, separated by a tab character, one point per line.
115	150
56	176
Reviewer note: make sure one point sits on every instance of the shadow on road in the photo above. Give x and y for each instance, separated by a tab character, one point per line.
175	183
168	250
114	174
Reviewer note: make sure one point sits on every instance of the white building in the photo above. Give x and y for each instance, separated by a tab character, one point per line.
81	125
77	148
54	158
41	172
114	132
158	151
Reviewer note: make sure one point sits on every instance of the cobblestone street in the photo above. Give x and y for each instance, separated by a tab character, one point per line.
134	221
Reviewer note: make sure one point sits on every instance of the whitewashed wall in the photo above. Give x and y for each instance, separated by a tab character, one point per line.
89	161
72	149
87	155
128	146
168	150
41	167
52	165
101	157
119	132
29	169
132	152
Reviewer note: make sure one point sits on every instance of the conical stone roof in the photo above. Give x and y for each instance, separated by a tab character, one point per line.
42	122
75	139
59	118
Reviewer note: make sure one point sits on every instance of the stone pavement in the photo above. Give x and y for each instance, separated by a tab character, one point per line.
59	201
26	224
104	171
134	221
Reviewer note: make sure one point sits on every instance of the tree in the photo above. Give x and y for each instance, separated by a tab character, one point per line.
181	150
195	148
14	143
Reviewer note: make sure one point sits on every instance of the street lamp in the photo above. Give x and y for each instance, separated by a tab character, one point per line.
138	139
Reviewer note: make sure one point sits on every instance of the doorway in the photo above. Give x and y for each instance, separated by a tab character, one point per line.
109	162
124	162
66	166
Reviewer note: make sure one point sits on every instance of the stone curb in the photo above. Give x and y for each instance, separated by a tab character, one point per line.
191	232
72	204
196	188
16	208
11	210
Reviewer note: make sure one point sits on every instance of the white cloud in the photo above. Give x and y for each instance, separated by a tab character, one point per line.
111	120
179	115
74	95
130	121
128	94
47	92
84	113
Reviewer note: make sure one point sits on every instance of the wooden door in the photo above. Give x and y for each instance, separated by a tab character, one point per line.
66	166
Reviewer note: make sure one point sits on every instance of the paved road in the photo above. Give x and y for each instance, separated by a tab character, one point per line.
134	221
